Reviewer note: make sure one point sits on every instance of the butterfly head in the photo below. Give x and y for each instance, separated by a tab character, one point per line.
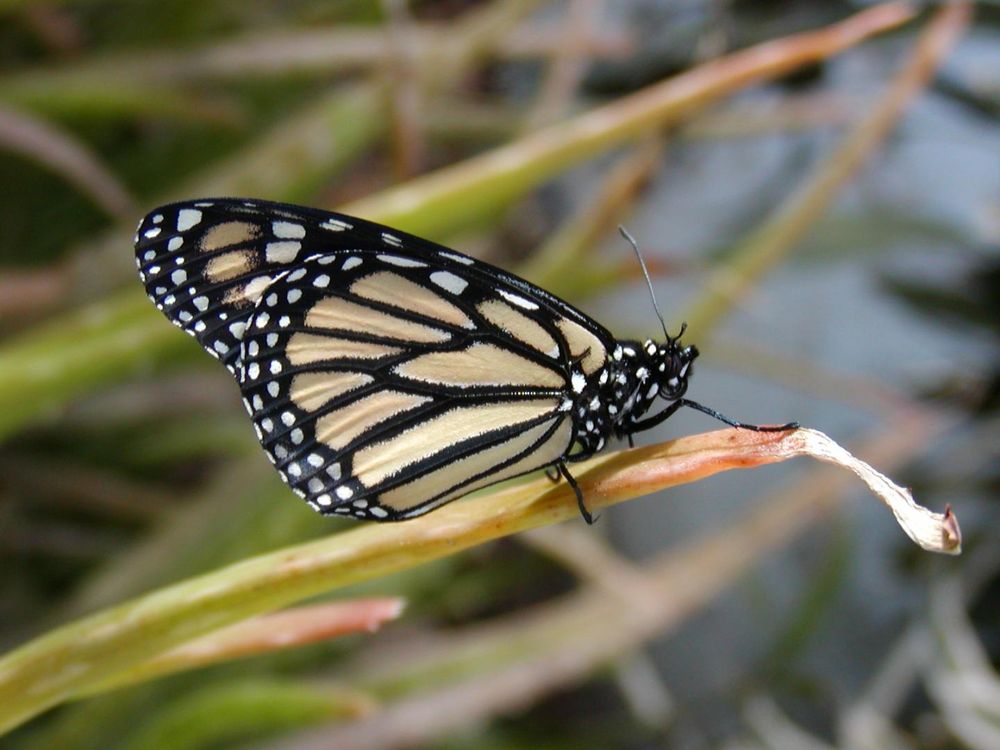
675	368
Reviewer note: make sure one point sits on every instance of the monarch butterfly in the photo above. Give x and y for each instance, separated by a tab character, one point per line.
386	375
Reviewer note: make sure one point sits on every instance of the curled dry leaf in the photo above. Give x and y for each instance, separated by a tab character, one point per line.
935	532
691	458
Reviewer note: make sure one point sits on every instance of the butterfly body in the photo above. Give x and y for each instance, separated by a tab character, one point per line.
386	375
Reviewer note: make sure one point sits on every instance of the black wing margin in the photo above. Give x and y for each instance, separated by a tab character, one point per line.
206	263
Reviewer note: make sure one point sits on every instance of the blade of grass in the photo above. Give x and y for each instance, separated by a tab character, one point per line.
67	156
775	239
70	660
222	714
90	98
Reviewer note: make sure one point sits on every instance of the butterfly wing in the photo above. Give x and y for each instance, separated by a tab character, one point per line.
385	374
205	264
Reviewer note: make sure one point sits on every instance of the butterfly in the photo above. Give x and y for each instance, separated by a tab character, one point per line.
386	375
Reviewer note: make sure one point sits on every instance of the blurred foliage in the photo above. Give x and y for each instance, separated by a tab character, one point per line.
104	408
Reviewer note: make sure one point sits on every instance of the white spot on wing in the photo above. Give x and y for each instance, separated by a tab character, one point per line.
464	260
398	260
288	230
351	262
514	299
282	252
449	281
187	218
335	225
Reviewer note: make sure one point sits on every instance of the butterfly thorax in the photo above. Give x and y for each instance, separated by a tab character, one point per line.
618	396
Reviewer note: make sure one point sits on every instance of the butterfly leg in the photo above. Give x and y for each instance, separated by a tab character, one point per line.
590	519
552	472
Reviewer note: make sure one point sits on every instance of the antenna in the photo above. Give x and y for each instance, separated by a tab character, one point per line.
645	272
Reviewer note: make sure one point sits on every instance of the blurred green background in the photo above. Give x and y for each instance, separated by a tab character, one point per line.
834	269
